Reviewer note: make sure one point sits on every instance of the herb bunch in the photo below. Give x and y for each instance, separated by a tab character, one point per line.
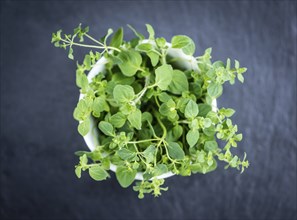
153	116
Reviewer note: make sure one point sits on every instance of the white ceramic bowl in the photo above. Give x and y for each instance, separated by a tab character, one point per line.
183	61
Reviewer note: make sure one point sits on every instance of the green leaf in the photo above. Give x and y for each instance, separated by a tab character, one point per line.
163	76
164	110
144	47
192	137
164	97
191	110
175	151
177	131
149	153
203	168
214	90
135	119
204	109
70	53
161	42
131	61
185	43
126	154
179	83
228	112
106	128
154	57
83	160
123	93
211	146
82	80
240	77
118	120
151	31
236	64
84	127
149	50
98	173
160	169
99	105
125	176
117	38
78	171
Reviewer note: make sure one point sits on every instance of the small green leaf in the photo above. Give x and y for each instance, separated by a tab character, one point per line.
123	93
87	62
117	38
83	160
236	64
131	61
185	43
211	146
204	109
240	77
70	53
98	173
175	151
125	176
192	137
228	112
154	57
118	120
179	83
149	153
161	42
144	47
82	80
99	105
160	169
191	110
163	76
151	31
177	132
164	97
214	90
106	128
126	154
135	119
78	171
84	127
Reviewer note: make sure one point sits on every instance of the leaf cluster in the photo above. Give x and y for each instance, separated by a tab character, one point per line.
153	117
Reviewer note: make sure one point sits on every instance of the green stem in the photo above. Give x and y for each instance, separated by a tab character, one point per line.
142	141
91	46
96	41
142	92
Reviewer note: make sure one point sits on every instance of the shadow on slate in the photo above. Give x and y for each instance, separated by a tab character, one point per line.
38	94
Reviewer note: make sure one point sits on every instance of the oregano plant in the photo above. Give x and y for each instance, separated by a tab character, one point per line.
153	116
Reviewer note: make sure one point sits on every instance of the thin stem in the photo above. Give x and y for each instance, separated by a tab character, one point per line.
161	124
91	46
157	102
142	141
96	41
142	92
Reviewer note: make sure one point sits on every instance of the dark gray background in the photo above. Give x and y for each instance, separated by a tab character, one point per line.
38	94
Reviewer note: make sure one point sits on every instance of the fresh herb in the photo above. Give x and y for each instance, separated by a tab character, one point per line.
153	117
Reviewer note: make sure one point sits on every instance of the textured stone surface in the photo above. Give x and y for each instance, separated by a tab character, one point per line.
38	94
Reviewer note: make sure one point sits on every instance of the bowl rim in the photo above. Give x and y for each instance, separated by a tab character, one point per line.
92	137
